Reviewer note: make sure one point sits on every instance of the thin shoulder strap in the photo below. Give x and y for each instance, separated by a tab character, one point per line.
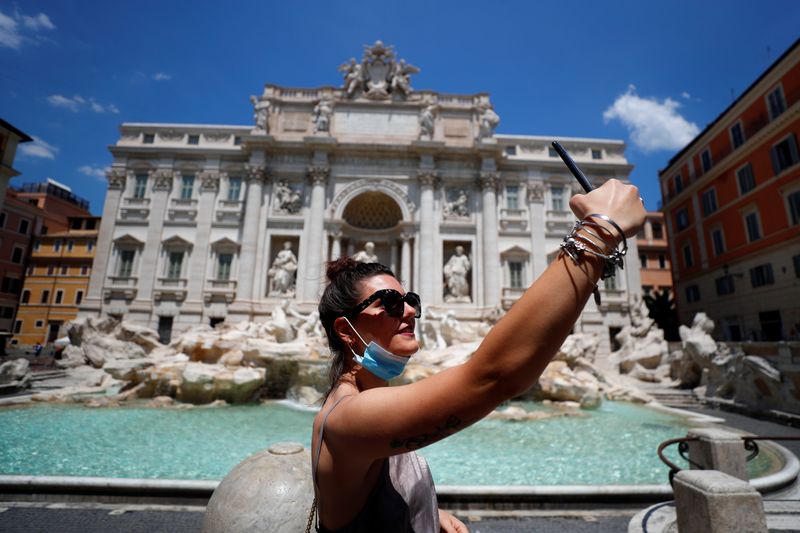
319	439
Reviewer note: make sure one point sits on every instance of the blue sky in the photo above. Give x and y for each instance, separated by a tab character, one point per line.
651	73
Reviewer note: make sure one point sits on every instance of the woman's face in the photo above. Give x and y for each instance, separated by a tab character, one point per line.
374	324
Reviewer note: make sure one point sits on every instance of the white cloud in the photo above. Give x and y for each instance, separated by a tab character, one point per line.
38	148
654	125
77	102
162	76
686	95
10	34
93	171
38	22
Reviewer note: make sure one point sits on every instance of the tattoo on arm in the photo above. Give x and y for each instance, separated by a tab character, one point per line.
450	426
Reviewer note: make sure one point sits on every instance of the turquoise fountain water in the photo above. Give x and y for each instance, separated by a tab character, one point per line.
615	444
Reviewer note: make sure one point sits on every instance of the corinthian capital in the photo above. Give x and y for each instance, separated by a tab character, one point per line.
318	174
209	180
255	172
489	180
162	178
116	178
428	178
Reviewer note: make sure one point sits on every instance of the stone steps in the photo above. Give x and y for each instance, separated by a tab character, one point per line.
676	398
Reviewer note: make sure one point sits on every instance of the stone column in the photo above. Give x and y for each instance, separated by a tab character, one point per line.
116	186
405	260
537	225
313	276
198	268
393	256
709	501
247	268
161	180
336	248
491	253
718	449
427	181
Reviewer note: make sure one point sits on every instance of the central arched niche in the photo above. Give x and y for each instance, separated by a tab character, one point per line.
372	210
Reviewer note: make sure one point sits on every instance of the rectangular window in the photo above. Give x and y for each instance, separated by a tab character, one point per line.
776	103
193	139
187	187
682	219
26	296
678	184
75	223
84	270
126	263
753	227
237	141
45	297
796	261
662	262
70	245
705	160
610	284
511	150
59	296
737	135
234	189
724	285
719	242
6	312
658	231
687	256
794	208
174	265
746	179
557	198
78	297
643	260
515	274
90	246
57	245
551	152
37	245
761	275
11	285
24	225
784	154
140	186
224	262
17	326
709	199
38	324
597	154
148	138
51	269
692	293
512	197
16	255
64	270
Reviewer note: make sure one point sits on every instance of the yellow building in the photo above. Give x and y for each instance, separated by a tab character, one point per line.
57	281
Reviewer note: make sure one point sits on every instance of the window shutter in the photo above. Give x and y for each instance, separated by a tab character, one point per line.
776	166
793	148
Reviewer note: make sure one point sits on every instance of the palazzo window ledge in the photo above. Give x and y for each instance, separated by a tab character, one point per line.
224	215
180	213
110	293
513	219
184	202
231	204
178	295
511	295
136	201
123	281
136	214
220	290
169	283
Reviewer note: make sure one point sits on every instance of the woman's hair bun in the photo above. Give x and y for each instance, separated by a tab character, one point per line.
339	266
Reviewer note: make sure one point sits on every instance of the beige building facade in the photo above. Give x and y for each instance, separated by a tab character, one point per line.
204	223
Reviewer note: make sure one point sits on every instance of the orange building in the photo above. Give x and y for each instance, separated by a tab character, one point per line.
56	282
732	203
654	254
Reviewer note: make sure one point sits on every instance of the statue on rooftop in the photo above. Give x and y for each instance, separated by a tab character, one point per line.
379	75
322	116
261	109
487	121
427	121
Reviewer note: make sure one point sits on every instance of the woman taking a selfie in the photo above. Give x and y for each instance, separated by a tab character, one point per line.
366	474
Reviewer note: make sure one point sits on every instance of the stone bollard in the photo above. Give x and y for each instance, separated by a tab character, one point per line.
269	491
708	501
719	450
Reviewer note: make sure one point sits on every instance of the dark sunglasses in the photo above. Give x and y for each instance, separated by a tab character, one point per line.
393	303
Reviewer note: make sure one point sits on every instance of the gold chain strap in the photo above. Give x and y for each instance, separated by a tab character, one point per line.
311	515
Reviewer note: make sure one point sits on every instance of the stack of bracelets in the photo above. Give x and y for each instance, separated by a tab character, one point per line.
585	238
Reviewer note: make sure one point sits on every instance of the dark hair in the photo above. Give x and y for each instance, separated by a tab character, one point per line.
340	296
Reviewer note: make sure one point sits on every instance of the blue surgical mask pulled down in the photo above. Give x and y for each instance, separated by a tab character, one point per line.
378	360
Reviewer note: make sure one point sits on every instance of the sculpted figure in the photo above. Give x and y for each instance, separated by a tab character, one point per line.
430	327
278	325
455	273
458	207
260	114
400	76
282	272
367	255
322	116
353	74
309	325
487	122
427	119
287	200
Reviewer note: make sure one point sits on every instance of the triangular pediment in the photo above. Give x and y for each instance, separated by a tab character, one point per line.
176	241
225	242
515	250
129	240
